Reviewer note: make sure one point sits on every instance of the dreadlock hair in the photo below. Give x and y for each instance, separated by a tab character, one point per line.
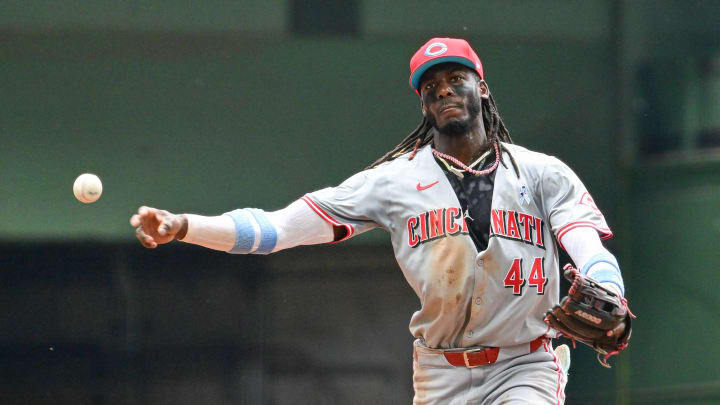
422	135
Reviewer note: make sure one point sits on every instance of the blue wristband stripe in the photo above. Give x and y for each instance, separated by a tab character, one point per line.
268	234
608	270
604	257
245	232
609	276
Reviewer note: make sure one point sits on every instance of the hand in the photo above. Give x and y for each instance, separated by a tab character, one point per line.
155	227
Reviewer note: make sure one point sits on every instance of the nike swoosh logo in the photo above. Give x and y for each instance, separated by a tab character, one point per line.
421	188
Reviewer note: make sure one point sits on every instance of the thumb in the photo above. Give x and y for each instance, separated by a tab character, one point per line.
168	226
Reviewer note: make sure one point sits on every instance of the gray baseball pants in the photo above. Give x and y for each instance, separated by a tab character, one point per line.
515	378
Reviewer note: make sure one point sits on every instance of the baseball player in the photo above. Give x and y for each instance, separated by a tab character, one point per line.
475	223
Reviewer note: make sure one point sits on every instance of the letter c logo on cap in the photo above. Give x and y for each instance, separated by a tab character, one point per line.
430	52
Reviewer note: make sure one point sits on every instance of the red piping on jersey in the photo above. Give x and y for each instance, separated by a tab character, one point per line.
557	365
328	218
605	233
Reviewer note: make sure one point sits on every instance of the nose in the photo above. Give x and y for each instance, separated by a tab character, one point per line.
445	90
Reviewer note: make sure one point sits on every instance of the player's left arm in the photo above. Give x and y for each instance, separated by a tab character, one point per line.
595	311
578	224
593	259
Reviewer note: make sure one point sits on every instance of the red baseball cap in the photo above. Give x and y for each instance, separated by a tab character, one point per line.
441	50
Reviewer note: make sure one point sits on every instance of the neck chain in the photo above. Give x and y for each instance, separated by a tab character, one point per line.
468	169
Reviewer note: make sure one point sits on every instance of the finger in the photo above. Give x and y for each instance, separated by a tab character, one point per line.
148	242
145	239
135	220
148	221
146	211
140	235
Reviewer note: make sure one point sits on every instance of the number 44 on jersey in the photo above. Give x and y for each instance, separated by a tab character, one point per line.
537	280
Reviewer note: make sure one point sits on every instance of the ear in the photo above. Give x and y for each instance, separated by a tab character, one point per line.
484	89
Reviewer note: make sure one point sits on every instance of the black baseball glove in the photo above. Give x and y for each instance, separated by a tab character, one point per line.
593	315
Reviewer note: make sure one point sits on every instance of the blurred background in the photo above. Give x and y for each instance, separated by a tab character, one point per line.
209	106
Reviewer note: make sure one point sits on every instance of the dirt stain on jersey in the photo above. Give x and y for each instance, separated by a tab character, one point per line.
452	276
451	279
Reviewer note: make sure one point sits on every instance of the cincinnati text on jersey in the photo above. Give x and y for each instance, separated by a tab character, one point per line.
517	226
507	224
435	224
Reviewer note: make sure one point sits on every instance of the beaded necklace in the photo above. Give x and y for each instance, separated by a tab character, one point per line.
444	156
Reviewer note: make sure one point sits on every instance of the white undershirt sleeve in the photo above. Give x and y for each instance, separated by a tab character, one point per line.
581	244
216	233
584	243
299	225
295	225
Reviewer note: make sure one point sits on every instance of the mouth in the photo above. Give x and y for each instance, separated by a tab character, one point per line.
448	107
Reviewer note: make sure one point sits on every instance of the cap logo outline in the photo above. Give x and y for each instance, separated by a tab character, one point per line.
429	50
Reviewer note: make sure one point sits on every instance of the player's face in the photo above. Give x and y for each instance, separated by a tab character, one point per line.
452	98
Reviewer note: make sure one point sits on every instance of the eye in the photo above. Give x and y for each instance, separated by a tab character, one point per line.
456	79
429	86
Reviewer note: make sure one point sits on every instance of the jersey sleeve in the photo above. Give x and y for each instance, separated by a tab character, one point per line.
568	204
356	204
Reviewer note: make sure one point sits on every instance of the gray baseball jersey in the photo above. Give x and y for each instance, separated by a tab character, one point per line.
496	297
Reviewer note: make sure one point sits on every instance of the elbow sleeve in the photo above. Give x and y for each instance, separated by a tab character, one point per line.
254	233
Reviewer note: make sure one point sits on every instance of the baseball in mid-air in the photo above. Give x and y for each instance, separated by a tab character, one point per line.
87	188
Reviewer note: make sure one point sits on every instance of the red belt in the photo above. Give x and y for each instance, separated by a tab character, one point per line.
481	357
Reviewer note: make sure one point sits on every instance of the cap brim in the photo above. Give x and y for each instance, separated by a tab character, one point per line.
417	75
